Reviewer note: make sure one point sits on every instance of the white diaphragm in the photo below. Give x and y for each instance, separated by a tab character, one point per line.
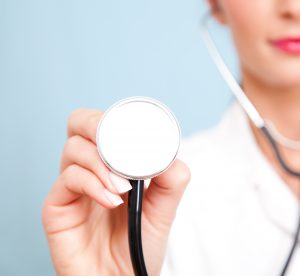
138	137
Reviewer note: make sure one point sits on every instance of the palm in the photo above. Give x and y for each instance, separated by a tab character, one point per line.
87	234
91	235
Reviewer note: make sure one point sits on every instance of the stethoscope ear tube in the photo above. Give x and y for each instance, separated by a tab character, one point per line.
226	74
278	154
135	200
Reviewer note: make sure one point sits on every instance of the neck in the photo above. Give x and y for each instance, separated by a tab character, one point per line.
281	105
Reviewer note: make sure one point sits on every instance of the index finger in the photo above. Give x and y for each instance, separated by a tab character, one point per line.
84	122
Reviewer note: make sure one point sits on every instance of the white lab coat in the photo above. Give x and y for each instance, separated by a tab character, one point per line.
237	217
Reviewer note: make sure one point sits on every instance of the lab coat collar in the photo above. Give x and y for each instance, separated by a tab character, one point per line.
277	201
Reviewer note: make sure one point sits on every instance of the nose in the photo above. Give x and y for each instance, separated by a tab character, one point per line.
289	9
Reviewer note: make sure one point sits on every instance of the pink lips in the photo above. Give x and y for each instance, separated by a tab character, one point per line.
288	45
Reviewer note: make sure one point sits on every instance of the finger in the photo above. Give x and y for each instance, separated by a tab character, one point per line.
164	193
84	122
76	181
84	153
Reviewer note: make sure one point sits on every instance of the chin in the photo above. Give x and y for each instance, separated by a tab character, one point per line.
282	73
285	80
278	69
287	75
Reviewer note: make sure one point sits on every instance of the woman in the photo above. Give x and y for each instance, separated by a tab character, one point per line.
238	214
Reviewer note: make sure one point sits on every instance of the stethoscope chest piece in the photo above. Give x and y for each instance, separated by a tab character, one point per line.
138	138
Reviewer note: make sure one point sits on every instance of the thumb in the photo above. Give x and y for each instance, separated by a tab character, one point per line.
164	193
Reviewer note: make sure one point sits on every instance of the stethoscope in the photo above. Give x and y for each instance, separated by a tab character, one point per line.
138	138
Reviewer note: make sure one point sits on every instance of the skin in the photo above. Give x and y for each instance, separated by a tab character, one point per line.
87	234
270	77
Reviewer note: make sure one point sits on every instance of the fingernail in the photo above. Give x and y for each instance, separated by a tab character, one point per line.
121	184
115	199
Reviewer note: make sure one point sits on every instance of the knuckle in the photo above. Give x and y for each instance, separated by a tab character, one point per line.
93	119
45	212
184	173
72	144
72	170
83	120
75	113
69	173
71	119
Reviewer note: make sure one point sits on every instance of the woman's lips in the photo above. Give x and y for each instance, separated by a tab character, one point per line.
288	45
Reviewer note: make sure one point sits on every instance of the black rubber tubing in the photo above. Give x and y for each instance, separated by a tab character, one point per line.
135	201
291	172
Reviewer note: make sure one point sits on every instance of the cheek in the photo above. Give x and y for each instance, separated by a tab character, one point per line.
247	21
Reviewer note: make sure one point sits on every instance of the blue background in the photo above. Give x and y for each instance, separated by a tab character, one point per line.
56	56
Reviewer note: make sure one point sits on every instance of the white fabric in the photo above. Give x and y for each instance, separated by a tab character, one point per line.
237	216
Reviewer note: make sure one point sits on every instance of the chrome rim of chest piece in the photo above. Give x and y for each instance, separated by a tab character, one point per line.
138	138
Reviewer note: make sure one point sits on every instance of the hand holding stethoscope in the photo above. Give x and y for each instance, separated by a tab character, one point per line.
87	233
